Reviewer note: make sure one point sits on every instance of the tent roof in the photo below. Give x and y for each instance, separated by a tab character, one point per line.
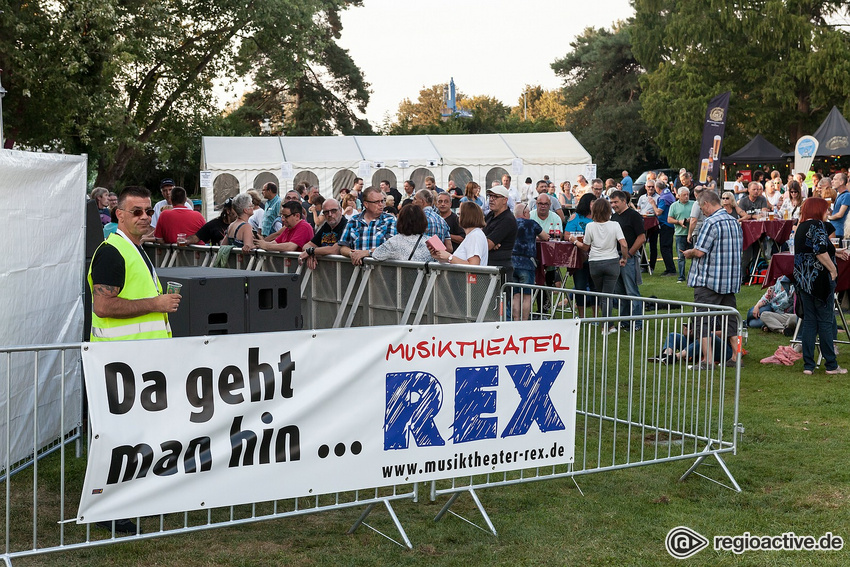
266	152
416	149
473	149
545	148
220	152
758	150
833	135
336	151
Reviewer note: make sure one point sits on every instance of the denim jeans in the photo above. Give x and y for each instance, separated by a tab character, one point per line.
753	321
682	244
818	317
628	285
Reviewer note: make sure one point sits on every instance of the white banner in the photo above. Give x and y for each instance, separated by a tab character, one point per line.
251	418
804	153
41	299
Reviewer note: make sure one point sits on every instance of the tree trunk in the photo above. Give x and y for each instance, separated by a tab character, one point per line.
109	177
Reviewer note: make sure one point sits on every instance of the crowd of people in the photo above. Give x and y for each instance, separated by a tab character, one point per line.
604	219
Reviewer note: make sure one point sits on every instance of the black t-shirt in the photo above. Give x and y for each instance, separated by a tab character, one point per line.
107	266
454	225
457	195
212	232
632	224
501	230
327	236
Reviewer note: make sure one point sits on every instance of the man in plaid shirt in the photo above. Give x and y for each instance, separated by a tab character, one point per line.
716	268
367	230
437	226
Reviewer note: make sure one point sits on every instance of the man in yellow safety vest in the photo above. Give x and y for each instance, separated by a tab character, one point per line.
127	299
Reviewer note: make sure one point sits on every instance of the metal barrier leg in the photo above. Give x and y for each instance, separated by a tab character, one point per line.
361	521
723	466
445	509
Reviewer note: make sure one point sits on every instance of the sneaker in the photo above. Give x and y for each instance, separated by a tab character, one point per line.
123	526
837	370
731	363
654	359
610	330
788	331
680	281
702	366
669	274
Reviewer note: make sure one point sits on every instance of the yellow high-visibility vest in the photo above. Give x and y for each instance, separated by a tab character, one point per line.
138	284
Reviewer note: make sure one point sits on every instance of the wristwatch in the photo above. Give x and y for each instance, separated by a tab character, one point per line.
450	258
311	251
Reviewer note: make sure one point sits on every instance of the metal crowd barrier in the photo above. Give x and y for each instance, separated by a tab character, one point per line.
42	494
337	294
633	410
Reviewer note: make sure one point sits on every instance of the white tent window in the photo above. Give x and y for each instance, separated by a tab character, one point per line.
306	177
461	176
418	176
224	187
494	174
343	179
263	178
384	175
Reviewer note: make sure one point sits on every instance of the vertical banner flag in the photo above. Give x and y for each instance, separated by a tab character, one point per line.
712	137
804	154
268	416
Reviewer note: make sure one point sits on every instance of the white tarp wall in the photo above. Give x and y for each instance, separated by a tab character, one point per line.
333	161
40	291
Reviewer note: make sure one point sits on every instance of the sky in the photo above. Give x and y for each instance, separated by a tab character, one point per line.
490	47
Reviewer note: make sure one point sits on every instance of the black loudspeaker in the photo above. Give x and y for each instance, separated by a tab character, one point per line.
219	301
94	237
274	302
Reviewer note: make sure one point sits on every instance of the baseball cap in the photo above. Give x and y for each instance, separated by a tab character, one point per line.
166	181
498	190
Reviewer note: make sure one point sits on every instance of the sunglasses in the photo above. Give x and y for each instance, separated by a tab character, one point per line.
139	212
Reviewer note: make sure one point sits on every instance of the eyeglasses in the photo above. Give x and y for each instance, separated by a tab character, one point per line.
285	216
336	210
139	212
381	201
293	198
491	196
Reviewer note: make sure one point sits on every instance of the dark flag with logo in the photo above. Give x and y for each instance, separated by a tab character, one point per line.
712	137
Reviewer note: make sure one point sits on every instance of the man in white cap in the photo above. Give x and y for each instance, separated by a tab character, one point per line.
500	230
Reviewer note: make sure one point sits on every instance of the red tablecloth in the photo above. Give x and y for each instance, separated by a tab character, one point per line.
650	223
777	230
557	253
782	264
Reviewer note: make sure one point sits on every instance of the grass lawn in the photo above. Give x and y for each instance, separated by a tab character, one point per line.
791	465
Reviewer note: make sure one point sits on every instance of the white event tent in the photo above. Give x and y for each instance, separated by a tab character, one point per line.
332	162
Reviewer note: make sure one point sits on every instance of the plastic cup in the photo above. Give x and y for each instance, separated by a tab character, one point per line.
181	239
173	287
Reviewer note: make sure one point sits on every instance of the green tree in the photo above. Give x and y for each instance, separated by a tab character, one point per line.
540	104
601	95
785	64
105	77
489	116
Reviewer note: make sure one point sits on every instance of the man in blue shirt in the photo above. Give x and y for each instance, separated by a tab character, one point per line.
842	203
626	182
272	208
367	230
665	229
523	259
716	271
